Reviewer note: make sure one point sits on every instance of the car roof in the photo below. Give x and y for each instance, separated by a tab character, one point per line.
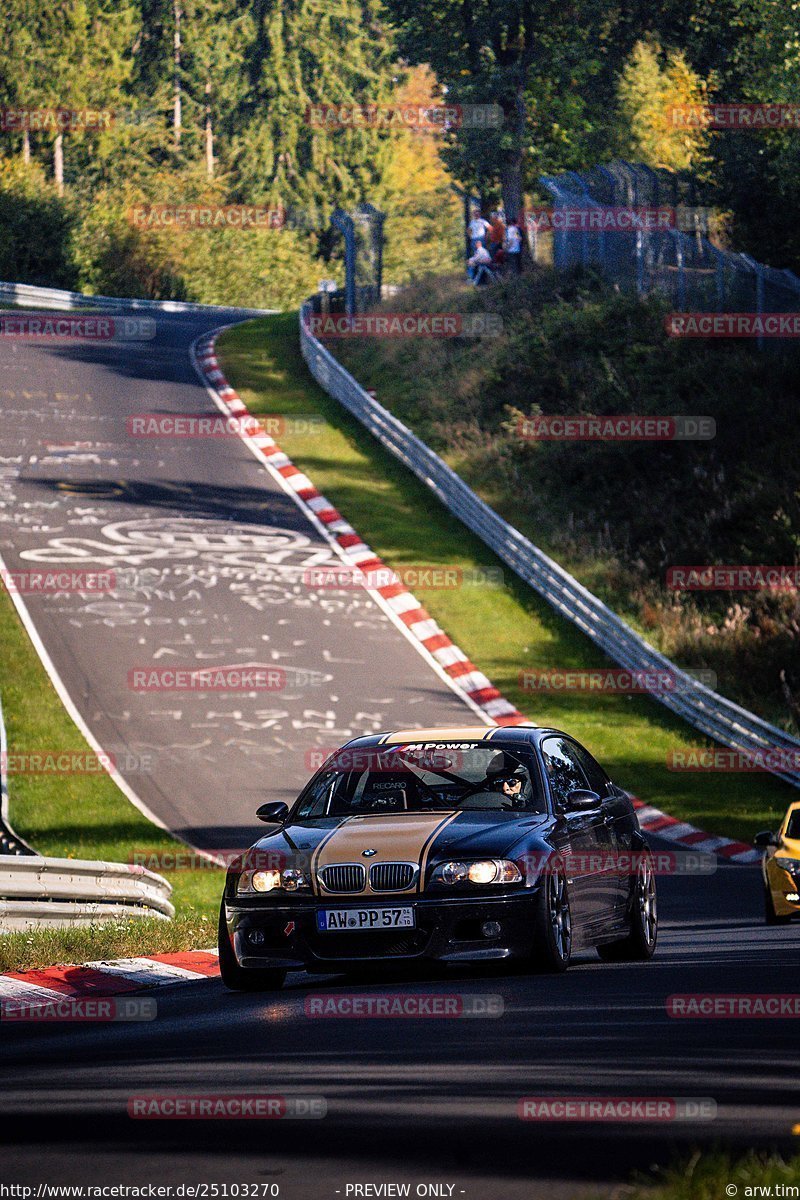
454	733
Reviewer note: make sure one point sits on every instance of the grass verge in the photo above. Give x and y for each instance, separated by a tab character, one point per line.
503	626
84	816
706	1177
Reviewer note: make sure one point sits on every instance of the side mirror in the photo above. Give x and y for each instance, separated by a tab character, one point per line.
273	813
766	838
581	799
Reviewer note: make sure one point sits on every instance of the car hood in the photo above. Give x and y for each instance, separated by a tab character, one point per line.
399	837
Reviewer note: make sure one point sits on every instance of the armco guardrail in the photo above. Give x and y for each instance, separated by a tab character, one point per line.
38	891
29	295
703	708
62	891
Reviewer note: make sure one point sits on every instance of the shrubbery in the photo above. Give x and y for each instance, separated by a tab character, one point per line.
619	514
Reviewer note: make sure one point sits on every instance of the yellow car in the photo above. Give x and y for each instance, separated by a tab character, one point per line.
781	869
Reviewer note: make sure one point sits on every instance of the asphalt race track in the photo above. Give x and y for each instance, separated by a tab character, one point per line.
208	555
424	1100
418	1100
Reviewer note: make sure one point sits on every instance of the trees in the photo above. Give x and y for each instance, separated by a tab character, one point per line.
492	52
653	83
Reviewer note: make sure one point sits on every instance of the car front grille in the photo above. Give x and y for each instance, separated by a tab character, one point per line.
345	877
392	876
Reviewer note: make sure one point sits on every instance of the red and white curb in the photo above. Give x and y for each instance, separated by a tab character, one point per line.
38	989
689	837
396	600
406	610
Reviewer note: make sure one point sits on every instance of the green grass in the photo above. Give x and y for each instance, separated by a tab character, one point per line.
84	816
190	930
706	1176
505	629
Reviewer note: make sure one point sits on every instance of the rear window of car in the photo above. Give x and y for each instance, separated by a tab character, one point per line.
793	827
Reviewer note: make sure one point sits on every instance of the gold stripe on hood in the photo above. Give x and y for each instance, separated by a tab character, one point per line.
396	837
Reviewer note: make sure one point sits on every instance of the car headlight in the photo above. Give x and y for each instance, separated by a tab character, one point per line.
792	865
252	883
485	870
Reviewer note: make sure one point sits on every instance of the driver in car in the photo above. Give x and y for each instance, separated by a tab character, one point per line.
516	787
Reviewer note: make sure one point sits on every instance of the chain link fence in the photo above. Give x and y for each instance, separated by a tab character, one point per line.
644	230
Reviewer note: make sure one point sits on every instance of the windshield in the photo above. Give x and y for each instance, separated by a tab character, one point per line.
423	777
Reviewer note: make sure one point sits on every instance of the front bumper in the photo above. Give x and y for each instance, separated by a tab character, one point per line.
448	930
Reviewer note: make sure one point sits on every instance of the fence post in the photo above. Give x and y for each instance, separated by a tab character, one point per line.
720	279
681	275
760	300
344	223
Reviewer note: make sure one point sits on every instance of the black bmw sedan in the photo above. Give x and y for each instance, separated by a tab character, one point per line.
442	845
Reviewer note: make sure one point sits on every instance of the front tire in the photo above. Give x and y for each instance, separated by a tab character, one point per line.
553	925
243	979
640	943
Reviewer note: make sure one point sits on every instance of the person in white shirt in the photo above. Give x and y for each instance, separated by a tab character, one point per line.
477	229
478	265
513	247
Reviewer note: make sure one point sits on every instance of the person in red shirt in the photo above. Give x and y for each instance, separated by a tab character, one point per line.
497	233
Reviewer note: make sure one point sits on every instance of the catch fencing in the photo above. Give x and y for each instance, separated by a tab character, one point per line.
678	262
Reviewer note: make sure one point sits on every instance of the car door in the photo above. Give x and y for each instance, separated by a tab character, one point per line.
581	834
615	834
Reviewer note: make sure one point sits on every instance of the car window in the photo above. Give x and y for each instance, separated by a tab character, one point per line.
598	780
793	827
423	777
563	768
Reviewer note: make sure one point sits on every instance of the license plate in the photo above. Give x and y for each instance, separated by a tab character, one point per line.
337	920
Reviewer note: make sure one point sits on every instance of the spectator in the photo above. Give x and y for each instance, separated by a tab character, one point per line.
477	229
513	247
497	232
478	266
